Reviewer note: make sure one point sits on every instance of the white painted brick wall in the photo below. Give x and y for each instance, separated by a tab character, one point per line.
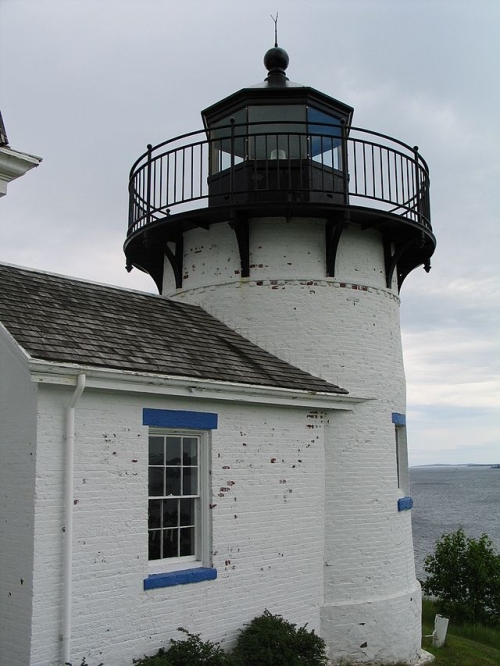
346	330
268	529
17	487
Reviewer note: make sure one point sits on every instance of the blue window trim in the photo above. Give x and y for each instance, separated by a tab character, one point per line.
405	503
172	418
398	419
183	577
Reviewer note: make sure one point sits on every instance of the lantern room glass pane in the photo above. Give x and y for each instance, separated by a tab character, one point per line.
277	132
325	138
225	150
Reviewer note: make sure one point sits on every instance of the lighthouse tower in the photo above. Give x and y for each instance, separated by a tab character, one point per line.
297	229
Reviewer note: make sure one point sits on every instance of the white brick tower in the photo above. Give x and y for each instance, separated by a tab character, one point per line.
297	229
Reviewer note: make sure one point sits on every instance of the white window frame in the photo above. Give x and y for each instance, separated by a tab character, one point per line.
203	551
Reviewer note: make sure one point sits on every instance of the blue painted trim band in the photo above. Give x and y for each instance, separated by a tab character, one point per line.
405	503
171	418
398	419
179	577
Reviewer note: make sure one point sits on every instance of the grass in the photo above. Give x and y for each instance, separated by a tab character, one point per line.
466	645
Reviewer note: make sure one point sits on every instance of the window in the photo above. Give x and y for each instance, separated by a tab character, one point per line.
174	495
177	480
178	496
399	421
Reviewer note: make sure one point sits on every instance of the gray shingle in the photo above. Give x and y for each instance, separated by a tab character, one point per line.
62	319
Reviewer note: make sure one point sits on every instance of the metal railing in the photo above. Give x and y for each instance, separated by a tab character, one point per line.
237	164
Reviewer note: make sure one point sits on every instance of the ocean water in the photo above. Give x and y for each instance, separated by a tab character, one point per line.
446	498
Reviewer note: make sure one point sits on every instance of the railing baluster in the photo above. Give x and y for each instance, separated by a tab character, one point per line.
355	144
373	170
148	193
382	188
231	172
418	199
201	168
396	177
192	173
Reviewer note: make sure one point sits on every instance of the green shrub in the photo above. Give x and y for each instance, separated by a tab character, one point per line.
158	659
269	640
195	652
464	575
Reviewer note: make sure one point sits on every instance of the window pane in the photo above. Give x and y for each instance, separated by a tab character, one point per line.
187	541
170	513
154	545
170	538
278	112
173	456
190	451
156	454
156	481
173	481
154	513
187	511
190	481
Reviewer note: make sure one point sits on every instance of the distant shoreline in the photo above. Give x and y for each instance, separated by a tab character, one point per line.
490	465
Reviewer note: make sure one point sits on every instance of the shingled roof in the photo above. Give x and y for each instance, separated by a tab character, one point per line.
66	320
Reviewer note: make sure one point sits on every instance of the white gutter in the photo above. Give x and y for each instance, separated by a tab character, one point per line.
68	518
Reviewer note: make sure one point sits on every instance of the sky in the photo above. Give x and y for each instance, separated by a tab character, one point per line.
87	84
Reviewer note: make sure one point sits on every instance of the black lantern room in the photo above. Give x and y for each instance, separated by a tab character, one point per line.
279	148
277	142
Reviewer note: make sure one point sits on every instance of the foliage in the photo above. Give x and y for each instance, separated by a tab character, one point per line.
464	575
190	651
158	659
195	652
269	640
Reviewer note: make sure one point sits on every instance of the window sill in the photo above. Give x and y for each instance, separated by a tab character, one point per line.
182	577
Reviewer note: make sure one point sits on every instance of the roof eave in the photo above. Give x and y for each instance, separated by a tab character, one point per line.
49	373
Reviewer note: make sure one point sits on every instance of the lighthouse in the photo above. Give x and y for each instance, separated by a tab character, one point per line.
297	229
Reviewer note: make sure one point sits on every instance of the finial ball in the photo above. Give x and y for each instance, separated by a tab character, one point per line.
276	59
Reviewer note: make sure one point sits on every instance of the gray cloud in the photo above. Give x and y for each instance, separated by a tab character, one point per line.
87	84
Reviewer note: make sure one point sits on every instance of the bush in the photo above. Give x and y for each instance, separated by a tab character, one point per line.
269	640
158	659
464	575
190	651
195	652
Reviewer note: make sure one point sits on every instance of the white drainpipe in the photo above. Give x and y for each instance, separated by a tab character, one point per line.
68	518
